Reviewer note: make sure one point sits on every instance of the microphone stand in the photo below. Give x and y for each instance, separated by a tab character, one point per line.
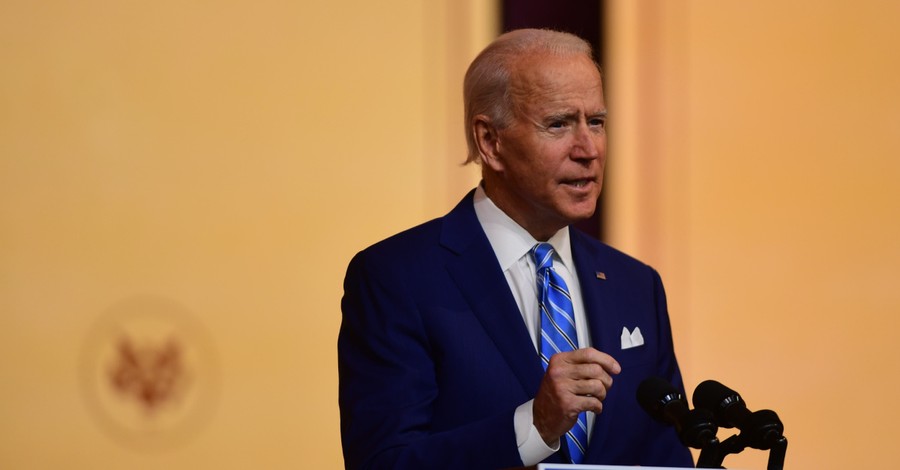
776	454
712	455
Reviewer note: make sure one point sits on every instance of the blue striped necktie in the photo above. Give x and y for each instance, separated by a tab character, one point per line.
558	331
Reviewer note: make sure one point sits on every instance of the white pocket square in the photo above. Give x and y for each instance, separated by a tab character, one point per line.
633	339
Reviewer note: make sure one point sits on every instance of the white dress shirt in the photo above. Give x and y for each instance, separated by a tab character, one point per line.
511	244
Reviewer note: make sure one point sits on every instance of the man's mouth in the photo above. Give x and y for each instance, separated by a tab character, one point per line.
579	183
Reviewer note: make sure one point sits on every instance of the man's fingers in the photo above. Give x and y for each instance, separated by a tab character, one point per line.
584	364
573	405
575	382
590	371
590	403
589	388
592	356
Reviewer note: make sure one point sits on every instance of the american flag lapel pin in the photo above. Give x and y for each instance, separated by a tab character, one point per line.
601	275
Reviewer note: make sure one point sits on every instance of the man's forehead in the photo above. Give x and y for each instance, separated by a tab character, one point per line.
558	87
549	63
549	73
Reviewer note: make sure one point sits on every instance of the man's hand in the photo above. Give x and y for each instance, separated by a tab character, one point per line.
575	381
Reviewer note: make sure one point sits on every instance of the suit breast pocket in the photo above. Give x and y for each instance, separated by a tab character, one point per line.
636	356
630	346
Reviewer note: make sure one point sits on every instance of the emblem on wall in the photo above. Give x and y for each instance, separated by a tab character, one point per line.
148	373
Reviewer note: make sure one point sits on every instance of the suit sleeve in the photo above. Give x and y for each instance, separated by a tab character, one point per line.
388	383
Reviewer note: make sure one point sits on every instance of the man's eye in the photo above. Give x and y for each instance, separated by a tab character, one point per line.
557	124
597	122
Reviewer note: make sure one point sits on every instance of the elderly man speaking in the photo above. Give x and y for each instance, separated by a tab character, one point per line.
492	337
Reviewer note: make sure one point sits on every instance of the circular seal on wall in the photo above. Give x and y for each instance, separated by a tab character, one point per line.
148	373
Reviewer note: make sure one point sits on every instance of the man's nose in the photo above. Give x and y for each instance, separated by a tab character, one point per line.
585	145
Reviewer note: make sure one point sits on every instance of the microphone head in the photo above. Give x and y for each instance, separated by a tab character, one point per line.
654	394
726	404
665	403
764	429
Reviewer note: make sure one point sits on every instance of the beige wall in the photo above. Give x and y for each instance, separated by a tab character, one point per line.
223	161
754	161
229	158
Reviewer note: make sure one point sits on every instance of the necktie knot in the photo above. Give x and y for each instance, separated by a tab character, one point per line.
543	255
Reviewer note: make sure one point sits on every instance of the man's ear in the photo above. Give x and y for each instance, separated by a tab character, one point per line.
488	141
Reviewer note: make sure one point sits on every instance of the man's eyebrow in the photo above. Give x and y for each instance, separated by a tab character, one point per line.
562	116
572	115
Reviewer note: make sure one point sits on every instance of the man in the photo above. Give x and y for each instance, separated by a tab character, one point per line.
457	348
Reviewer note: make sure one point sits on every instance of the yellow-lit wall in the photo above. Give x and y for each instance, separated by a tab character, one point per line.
229	157
754	161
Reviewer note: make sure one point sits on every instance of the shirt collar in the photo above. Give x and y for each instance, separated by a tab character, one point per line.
509	240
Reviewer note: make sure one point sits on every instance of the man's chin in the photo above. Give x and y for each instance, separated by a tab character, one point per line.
581	211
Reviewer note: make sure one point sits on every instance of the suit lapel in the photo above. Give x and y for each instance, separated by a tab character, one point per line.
598	303
477	274
599	309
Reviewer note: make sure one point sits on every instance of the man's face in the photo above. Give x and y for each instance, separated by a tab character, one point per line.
549	160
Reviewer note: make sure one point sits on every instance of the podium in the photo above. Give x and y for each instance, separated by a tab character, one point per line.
562	466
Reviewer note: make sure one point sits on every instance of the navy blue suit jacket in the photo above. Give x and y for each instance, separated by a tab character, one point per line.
434	356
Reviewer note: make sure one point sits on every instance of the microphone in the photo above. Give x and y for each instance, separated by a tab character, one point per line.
763	429
662	401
